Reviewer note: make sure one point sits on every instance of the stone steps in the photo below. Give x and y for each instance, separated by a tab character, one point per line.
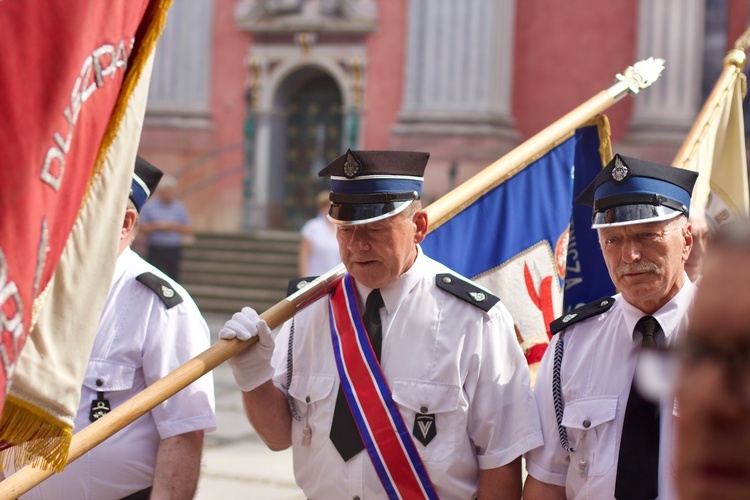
225	272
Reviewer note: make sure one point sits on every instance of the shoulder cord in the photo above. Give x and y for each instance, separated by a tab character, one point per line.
289	366
557	394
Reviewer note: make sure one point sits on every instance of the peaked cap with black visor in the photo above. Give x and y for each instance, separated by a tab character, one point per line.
632	191
367	186
145	179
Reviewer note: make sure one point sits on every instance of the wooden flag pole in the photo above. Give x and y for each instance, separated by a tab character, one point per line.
734	63
635	78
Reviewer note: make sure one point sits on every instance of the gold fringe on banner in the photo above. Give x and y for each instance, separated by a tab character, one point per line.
605	144
36	437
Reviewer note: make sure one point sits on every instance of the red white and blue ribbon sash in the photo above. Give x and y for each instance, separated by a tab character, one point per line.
386	438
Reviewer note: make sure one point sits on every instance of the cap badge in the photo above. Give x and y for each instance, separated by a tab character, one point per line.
351	165
167	292
621	171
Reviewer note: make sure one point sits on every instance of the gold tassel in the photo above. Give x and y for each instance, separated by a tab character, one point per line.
36	438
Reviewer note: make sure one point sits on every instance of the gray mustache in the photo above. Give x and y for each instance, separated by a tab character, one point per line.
640	267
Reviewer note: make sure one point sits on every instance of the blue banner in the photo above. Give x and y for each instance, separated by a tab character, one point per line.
516	241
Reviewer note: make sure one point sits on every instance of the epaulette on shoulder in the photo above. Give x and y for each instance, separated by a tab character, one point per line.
163	288
581	313
298	284
467	291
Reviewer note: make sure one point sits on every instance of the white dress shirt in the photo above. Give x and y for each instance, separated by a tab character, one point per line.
138	342
599	359
439	352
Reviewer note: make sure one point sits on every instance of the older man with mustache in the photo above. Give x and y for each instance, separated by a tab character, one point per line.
602	439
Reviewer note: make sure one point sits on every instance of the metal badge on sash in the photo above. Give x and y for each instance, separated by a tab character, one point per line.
99	407
424	427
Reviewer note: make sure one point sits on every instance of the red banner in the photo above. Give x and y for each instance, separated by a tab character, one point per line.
62	67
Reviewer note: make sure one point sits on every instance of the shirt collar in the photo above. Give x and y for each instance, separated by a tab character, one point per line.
123	261
670	316
394	293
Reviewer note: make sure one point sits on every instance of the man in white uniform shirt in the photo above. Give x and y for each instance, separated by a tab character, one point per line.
407	381
149	327
602	439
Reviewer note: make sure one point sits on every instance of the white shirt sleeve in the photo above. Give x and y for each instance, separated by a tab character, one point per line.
503	421
174	337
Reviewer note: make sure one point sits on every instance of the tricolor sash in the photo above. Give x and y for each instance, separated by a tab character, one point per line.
380	424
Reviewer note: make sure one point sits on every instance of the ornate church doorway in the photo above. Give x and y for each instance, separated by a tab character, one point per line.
312	137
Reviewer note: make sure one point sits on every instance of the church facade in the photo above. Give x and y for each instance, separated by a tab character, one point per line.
250	98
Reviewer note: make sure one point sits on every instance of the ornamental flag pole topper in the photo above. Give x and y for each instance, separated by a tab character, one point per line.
638	76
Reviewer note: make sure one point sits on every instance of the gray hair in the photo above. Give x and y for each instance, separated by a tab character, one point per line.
414	207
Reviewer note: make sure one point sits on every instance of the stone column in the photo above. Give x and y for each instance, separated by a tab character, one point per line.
672	30
458	68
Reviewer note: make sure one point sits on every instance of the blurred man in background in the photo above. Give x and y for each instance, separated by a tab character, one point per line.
165	222
713	395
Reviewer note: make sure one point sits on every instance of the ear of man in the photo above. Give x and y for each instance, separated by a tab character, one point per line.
422	224
687	235
129	226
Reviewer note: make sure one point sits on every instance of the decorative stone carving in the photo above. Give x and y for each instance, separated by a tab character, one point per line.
278	16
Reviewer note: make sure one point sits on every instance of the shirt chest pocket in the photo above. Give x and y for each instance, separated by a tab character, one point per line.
431	414
592	431
107	376
314	401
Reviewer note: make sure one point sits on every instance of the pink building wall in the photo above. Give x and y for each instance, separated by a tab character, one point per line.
386	53
565	53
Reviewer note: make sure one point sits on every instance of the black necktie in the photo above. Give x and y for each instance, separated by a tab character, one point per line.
638	462
344	433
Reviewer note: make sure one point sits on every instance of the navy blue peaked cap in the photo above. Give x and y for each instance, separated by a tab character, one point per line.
145	179
633	191
367	186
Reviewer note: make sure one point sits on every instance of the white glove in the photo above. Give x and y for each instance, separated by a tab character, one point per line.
252	366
